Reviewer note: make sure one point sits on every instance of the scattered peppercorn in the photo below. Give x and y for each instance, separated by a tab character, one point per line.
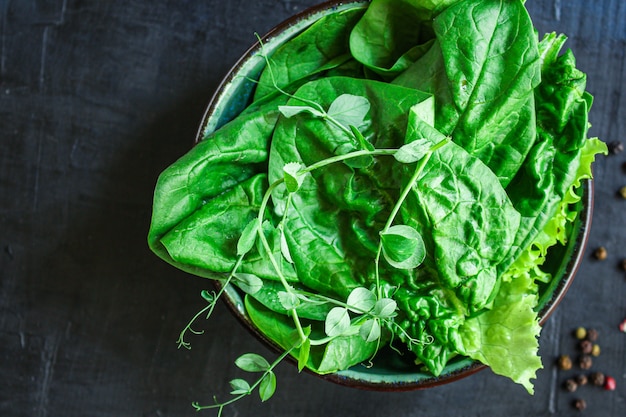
624	167
592	334
600	253
597	379
580	404
585	362
586	346
580	333
571	385
622	264
622	192
622	326
615	147
609	383
564	363
582	379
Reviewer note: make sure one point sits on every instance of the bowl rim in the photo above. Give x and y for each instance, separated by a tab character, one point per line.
580	231
291	23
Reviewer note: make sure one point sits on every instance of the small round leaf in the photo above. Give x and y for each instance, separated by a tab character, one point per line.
249	283
337	322
247	238
370	330
239	386
385	308
288	300
293	177
361	300
252	362
267	387
403	247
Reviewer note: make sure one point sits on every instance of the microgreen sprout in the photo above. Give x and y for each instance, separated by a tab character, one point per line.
367	313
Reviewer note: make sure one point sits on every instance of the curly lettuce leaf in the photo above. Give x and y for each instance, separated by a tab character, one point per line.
505	337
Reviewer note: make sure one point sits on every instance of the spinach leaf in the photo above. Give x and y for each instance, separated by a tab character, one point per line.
428	74
321	218
203	244
321	47
468	223
393	34
185	191
492	64
466	217
483	68
202	240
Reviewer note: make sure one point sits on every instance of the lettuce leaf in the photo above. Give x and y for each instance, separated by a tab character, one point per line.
505	337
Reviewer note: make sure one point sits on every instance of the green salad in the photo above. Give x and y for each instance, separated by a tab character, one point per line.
396	181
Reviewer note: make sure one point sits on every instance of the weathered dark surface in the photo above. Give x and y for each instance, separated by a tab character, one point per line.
96	97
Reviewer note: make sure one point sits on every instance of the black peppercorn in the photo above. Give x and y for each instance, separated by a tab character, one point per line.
592	334
586	347
585	362
580	404
615	147
582	379
597	379
571	385
623	264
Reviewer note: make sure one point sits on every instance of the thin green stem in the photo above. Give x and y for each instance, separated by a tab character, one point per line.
344	157
263	239
334	121
332	301
208	309
394	212
407	190
221	406
266	246
275	84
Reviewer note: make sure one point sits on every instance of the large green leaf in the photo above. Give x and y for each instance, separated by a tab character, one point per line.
331	203
321	47
393	34
465	216
492	64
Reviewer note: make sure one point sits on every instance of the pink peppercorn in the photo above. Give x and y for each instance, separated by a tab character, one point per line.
622	326
609	383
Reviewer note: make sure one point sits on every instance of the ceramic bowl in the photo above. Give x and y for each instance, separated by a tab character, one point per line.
389	372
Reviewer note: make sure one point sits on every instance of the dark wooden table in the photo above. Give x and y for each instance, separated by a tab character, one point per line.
96	98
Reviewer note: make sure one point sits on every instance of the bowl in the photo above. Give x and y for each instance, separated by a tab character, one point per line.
389	373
